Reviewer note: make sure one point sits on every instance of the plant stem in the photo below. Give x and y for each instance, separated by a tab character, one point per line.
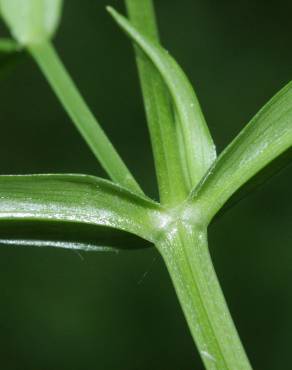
65	89
185	252
159	110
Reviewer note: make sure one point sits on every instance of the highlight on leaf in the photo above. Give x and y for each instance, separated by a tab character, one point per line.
74	211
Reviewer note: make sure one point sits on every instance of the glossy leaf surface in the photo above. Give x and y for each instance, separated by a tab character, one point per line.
80	211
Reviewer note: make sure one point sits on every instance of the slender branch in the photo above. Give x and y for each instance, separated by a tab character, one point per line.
185	251
60	81
159	112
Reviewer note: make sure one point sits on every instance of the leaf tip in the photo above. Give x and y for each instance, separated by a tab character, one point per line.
110	9
113	13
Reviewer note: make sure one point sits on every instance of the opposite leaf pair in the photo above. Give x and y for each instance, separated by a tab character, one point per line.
84	212
186	157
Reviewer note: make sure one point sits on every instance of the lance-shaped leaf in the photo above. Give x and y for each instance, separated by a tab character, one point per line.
267	136
31	21
195	143
74	211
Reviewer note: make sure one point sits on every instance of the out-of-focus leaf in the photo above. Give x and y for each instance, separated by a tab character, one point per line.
266	137
195	143
74	211
31	21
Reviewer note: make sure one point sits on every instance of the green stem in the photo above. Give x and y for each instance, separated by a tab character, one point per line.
159	110
186	254
65	89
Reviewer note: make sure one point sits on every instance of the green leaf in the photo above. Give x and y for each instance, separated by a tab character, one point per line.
271	170
158	107
72	101
195	143
74	211
31	21
267	136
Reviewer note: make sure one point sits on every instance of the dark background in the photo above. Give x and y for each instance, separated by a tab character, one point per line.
60	310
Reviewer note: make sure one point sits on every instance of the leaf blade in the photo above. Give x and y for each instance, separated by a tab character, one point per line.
260	179
73	202
267	136
196	143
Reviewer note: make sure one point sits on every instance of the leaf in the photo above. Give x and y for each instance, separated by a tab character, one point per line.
74	104
195	142
74	211
31	21
158	107
267	136
271	170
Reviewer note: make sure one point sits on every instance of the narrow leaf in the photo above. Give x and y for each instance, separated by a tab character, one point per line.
267	136
195	145
82	117
74	211
158	107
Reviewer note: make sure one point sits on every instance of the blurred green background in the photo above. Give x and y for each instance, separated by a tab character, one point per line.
63	310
